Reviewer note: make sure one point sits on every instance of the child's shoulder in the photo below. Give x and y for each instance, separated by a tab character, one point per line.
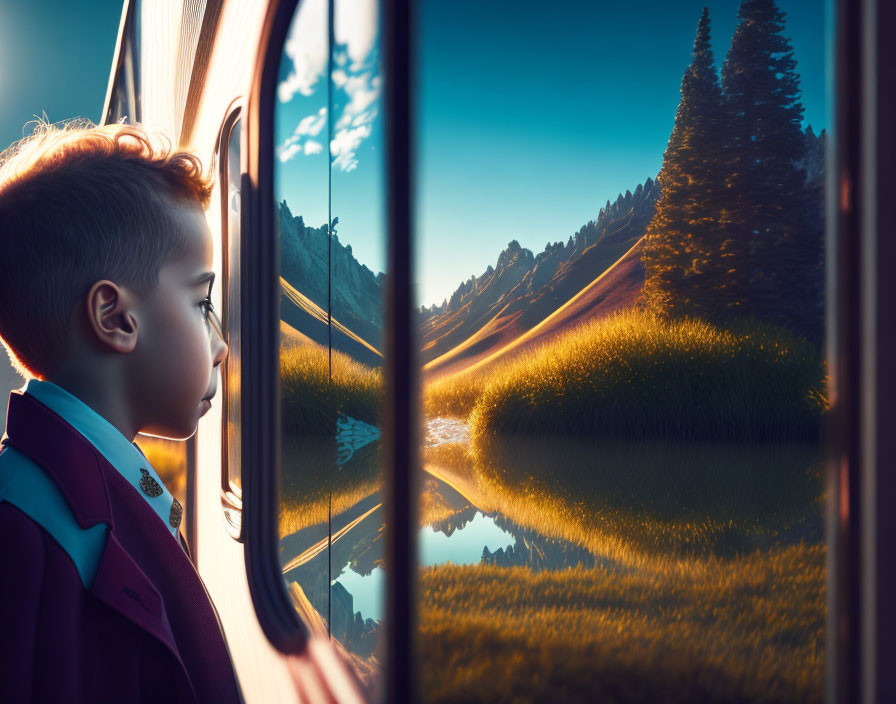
29	501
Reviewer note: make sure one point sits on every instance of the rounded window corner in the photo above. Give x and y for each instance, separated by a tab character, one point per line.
232	114
232	510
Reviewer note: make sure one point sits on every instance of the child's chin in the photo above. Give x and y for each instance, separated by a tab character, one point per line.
181	430
170	433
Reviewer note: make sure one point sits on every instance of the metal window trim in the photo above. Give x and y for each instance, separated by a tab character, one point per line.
231	495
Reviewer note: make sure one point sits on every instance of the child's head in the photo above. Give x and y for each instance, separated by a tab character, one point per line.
102	239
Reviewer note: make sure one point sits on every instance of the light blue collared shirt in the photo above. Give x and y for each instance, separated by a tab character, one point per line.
121	453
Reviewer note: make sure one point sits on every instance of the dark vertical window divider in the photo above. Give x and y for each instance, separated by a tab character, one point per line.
861	324
878	482
843	353
401	445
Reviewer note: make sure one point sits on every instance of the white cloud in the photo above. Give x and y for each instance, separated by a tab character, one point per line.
355	25
355	123
344	146
306	47
312	124
309	126
287	153
362	90
340	78
354	79
363	118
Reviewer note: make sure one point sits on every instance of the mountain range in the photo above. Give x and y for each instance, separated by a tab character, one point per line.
523	299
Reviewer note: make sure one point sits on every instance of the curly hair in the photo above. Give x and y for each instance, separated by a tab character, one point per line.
80	203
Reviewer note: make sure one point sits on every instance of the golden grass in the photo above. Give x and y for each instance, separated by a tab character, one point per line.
312	398
636	375
297	513
312	401
752	632
692	609
686	612
455	396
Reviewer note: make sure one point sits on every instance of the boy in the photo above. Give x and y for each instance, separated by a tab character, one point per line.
105	284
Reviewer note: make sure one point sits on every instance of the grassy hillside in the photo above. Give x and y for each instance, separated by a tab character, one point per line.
527	323
311	403
634	375
312	400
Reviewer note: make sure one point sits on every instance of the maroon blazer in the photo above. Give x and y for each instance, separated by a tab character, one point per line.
146	631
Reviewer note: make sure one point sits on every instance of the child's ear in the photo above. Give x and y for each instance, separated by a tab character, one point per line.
111	317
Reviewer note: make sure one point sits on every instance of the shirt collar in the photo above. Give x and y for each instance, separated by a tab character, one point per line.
121	453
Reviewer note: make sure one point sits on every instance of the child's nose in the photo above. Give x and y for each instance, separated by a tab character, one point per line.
222	350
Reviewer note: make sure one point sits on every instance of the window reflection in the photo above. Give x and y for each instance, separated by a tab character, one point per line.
329	193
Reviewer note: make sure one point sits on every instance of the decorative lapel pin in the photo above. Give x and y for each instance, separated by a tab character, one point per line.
149	485
177	511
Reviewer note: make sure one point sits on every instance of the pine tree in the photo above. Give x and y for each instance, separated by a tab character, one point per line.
768	211
681	250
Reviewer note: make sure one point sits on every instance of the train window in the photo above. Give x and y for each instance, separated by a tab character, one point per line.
622	495
328	195
230	175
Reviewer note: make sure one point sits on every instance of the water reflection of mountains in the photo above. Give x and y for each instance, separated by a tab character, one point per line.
530	549
361	549
755	497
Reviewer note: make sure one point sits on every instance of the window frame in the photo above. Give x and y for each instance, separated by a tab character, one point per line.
260	383
259	373
231	495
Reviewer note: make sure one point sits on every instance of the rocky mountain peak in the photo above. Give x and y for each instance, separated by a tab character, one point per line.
514	255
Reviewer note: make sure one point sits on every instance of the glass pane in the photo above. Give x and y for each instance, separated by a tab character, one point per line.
329	194
231	221
622	495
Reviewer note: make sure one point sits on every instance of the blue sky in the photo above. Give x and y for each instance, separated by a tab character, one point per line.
531	114
536	114
55	56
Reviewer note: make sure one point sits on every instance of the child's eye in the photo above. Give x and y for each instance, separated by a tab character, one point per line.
206	305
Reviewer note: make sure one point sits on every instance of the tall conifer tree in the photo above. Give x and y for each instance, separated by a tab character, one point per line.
681	250
768	213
